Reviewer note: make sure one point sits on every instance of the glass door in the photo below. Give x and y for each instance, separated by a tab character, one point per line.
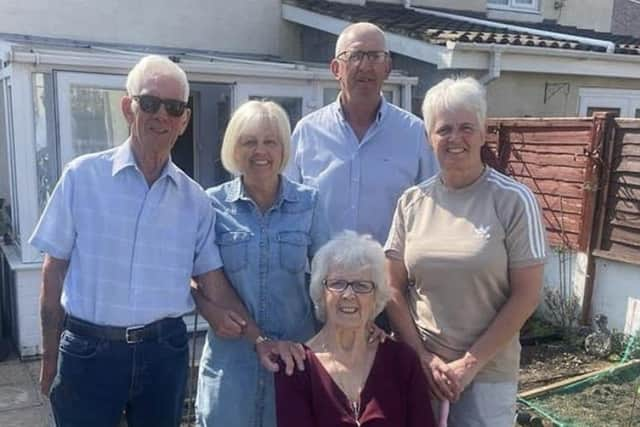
296	100
211	109
89	114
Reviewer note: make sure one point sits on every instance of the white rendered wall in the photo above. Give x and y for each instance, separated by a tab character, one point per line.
248	26
27	292
574	274
616	290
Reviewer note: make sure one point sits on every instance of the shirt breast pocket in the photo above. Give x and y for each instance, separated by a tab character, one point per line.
234	248
293	250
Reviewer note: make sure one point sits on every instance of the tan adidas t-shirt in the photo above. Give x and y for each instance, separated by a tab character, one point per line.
458	246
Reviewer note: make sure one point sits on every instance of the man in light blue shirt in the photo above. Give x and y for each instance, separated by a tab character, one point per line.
124	232
360	151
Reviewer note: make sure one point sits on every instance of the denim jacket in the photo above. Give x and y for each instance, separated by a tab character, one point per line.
266	259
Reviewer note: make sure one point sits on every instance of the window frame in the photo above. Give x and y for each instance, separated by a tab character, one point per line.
515	7
64	80
628	101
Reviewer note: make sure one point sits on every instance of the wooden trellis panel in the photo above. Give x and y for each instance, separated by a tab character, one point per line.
554	158
618	234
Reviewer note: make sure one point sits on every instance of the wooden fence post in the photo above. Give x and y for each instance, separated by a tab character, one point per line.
594	199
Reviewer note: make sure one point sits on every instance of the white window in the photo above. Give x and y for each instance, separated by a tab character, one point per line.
297	100
623	103
89	113
517	5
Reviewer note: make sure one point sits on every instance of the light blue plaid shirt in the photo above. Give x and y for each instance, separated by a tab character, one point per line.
360	181
132	248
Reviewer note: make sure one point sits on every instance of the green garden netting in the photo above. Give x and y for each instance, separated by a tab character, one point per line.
608	398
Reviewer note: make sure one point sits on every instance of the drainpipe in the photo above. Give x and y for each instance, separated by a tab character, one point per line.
495	64
609	46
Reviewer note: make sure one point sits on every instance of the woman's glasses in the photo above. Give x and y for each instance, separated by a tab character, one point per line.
358	286
151	104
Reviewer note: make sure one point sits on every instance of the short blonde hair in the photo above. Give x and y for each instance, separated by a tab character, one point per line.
156	64
459	93
247	113
348	251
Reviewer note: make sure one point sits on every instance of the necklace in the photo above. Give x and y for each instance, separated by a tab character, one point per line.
339	373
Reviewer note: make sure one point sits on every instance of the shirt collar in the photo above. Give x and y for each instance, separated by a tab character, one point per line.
382	110
124	158
286	191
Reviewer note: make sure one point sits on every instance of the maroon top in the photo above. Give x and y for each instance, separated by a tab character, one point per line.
395	394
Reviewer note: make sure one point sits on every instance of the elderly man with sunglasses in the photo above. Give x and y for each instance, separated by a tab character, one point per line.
124	232
361	152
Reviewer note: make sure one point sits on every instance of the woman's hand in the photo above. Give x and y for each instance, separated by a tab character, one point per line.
442	381
291	354
464	370
376	335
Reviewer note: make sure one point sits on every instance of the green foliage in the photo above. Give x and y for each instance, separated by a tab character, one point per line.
625	346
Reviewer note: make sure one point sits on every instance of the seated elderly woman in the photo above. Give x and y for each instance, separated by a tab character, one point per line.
347	380
465	260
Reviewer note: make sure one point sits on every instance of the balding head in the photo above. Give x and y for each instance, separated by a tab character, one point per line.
362	32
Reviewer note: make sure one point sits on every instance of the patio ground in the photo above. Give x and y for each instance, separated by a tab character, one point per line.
21	404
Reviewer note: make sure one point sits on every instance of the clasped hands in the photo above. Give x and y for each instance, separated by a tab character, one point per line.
448	380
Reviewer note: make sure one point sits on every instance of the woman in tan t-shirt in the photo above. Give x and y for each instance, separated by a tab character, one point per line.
465	259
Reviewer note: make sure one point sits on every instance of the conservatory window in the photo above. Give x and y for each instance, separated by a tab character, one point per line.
516	5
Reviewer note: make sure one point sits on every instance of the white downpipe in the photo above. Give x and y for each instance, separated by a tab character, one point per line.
495	65
609	46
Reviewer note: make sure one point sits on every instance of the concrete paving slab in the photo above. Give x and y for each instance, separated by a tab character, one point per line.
36	416
18	396
33	367
14	372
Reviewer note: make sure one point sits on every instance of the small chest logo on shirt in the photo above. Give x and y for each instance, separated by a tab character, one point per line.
483	231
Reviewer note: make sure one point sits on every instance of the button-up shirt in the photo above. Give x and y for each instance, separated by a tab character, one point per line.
360	181
266	258
132	248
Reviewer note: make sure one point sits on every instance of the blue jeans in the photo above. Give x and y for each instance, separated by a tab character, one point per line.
98	379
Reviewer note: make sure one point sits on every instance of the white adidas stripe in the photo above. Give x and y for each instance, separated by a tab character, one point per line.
534	206
534	224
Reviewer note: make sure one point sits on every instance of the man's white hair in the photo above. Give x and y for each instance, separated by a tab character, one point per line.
159	65
349	251
356	30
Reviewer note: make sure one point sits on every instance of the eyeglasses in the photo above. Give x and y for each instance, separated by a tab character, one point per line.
358	286
151	104
355	56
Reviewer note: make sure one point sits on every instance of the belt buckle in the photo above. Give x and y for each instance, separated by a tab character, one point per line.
130	334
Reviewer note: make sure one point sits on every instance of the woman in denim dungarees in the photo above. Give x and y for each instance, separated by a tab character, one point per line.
267	229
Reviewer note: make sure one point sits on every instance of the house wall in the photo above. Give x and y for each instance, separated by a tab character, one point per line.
625	19
617	294
251	26
523	94
591	14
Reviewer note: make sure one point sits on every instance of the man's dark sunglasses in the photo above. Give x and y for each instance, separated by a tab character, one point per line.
151	104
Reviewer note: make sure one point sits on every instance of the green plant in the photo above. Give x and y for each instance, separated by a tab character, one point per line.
562	305
626	346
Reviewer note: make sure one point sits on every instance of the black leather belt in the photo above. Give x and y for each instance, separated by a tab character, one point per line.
131	335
